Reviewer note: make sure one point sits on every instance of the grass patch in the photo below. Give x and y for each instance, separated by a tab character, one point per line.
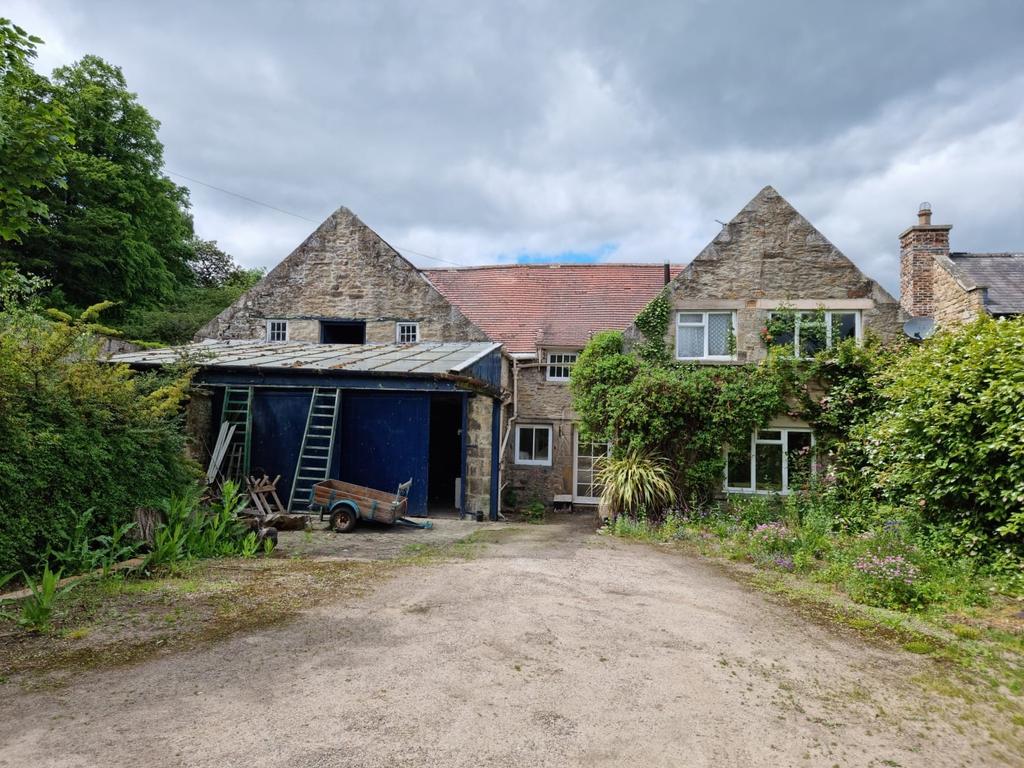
114	622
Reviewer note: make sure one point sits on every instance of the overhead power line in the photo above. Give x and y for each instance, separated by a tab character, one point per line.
290	213
243	197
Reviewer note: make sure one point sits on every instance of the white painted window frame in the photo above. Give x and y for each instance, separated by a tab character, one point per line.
548	364
703	323
857	331
270	329
784	442
577	499
406	324
551	445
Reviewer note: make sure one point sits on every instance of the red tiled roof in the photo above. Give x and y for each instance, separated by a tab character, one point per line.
550	305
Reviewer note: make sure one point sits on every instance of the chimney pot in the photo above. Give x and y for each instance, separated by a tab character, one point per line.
668	274
924	214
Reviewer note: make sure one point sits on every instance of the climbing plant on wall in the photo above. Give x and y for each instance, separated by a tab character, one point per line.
652	323
685	413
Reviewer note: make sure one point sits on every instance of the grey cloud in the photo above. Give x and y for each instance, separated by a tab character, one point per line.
470	130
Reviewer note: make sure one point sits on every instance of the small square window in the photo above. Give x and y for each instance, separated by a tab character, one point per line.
277	330
704	335
533	444
407	333
560	365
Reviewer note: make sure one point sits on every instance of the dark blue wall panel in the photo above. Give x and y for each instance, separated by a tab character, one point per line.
384	441
278	421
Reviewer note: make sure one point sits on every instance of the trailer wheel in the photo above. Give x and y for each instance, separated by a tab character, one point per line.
343	519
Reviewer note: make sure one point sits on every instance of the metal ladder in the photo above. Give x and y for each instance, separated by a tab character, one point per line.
237	410
314	464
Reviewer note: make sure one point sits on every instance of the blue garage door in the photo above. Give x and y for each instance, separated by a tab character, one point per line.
384	441
278	421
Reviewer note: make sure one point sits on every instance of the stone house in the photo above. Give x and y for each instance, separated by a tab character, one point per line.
508	404
345	285
770	262
544	315
950	288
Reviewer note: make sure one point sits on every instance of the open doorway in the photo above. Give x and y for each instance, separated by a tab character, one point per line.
445	453
342	332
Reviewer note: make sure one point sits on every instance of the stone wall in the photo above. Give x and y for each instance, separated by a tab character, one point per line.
769	256
344	271
478	454
953	303
546	403
199	425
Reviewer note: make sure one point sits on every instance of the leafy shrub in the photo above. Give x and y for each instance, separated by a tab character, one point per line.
755	509
191	532
37	608
82	552
773	538
888	581
949	433
77	433
534	512
684	412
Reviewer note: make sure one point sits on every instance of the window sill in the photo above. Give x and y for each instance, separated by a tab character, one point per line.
731	359
521	463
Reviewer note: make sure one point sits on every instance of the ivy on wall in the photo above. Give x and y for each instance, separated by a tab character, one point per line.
686	413
652	322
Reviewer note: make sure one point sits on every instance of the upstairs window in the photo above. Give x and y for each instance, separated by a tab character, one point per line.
342	331
560	365
407	333
533	444
277	330
705	336
806	333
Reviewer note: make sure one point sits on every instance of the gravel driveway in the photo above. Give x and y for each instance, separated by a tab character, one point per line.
554	647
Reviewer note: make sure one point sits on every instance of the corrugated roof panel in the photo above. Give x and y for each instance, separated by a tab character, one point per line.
423	358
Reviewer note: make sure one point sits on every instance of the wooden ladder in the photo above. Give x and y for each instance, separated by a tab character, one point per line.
237	410
314	464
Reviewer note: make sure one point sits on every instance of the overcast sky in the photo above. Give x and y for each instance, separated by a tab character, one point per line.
481	132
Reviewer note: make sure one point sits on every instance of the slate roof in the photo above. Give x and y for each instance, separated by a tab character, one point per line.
1002	274
550	305
422	359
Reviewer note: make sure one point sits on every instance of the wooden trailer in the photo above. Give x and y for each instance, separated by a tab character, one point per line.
345	504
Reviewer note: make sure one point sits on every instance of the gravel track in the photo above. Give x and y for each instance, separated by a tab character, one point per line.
553	647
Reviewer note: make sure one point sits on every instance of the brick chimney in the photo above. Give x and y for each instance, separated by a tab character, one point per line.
918	247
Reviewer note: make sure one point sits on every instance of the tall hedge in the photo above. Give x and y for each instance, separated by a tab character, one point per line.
76	433
948	432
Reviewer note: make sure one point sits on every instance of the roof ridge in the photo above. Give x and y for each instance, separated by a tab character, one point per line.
470	267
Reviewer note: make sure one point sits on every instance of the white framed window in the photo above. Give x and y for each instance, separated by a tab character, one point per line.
533	444
560	365
776	460
277	330
407	333
705	335
840	324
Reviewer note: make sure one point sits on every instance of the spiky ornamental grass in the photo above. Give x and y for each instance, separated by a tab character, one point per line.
637	484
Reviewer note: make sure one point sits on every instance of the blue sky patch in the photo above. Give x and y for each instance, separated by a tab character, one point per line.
600	253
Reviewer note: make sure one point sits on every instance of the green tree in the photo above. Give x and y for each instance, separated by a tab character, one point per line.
35	135
117	229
